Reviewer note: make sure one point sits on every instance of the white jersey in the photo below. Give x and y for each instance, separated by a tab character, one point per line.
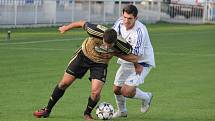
138	38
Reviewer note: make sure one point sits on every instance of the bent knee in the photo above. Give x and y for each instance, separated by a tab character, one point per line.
129	93
117	90
63	85
66	81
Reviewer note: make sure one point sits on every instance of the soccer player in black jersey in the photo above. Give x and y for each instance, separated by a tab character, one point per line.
93	55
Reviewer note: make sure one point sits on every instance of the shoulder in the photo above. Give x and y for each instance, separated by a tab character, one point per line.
140	27
118	21
88	25
96	27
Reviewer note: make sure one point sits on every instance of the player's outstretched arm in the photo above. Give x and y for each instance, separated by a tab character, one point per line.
128	57
77	24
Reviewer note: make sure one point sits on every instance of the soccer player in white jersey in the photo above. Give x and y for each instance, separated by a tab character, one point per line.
130	75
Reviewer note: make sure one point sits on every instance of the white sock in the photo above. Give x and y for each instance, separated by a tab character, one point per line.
121	103
141	95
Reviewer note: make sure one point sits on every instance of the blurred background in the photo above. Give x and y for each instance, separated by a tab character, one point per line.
15	13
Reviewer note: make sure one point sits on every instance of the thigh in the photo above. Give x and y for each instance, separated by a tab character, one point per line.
144	74
123	73
137	79
133	79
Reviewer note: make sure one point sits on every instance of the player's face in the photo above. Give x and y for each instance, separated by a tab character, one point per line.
128	20
107	45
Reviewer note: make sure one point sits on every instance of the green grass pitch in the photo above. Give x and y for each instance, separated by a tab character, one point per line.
183	83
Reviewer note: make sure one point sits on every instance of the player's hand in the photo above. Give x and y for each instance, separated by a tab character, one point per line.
63	29
138	68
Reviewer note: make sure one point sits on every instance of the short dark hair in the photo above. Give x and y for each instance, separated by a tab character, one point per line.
130	9
110	36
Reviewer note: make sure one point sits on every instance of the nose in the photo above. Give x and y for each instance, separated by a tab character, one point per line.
107	46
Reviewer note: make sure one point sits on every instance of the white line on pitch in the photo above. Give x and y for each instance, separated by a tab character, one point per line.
29	48
42	41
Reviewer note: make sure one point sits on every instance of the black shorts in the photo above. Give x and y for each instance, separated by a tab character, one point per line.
79	65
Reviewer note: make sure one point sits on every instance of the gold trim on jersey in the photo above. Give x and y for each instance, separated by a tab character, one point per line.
93	32
103	28
123	48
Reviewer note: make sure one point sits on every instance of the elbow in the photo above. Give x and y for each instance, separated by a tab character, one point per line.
82	22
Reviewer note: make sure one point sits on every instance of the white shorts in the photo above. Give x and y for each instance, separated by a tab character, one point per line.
126	74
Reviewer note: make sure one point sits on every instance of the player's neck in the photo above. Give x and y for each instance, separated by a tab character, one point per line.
129	28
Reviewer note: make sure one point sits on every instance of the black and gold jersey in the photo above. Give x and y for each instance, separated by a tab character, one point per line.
91	44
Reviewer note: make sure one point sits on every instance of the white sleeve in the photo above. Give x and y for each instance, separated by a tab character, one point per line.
117	26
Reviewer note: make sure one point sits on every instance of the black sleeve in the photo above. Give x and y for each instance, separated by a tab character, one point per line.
122	46
94	30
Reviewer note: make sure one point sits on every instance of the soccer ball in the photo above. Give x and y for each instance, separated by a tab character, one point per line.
104	111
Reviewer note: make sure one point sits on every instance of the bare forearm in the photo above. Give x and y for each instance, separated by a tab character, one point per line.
77	24
129	57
